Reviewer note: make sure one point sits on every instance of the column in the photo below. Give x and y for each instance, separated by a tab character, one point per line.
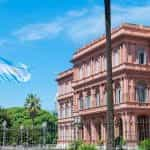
120	54
93	98
65	109
124	123
148	94
131	129
100	64
125	92
76	102
128	129
102	100
85	136
122	89
124	53
132	90
64	133
93	131
92	66
134	136
103	131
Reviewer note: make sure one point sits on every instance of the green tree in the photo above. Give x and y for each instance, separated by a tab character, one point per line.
144	145
32	105
4	116
19	116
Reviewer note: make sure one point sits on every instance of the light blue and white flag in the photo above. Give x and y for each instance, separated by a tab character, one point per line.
10	71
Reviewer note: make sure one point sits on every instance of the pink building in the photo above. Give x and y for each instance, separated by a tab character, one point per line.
82	89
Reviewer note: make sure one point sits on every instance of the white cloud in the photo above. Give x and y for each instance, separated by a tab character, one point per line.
85	24
75	13
38	31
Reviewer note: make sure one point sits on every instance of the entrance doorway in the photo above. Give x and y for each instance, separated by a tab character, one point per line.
143	127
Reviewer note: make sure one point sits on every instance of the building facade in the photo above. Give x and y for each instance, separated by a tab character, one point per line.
82	89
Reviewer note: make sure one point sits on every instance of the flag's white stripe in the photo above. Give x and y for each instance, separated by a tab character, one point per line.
20	73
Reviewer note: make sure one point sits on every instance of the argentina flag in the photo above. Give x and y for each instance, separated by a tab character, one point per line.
10	71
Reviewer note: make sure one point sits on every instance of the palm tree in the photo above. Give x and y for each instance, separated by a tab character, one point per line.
33	106
110	109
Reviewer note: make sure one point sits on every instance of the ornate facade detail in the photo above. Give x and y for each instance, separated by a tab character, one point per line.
82	92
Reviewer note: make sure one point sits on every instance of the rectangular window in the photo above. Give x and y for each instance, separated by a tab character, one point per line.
88	102
115	57
141	57
88	69
97	99
118	96
81	72
81	103
141	92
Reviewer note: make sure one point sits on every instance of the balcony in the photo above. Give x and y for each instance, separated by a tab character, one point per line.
66	95
131	106
116	70
67	119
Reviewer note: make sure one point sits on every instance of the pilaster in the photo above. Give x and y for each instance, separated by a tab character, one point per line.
93	131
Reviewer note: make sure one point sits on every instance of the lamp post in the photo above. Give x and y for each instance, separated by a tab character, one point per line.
44	126
110	108
4	124
21	134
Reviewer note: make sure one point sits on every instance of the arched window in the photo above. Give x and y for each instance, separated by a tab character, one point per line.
118	94
97	97
88	69
143	127
97	65
105	96
142	57
88	100
81	72
63	111
141	92
80	102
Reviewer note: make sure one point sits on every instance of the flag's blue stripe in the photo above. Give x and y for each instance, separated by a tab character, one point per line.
6	61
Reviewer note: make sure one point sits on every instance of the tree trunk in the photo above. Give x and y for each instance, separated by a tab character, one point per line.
109	88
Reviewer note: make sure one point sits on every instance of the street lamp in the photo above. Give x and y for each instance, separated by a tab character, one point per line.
4	124
44	126
21	134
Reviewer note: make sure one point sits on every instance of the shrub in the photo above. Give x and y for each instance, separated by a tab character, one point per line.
119	141
87	147
75	145
144	145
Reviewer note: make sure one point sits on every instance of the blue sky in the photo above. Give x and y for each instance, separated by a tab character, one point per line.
43	34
